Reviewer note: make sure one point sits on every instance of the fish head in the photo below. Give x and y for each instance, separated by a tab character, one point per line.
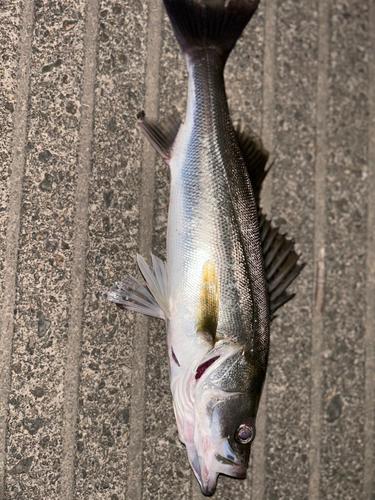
228	385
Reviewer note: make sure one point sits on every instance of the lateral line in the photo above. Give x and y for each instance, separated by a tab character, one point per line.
73	352
268	112
369	429
13	228
319	243
146	210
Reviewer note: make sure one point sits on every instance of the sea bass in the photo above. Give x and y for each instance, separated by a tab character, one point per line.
227	268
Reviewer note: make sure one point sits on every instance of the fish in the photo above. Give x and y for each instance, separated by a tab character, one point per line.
228	268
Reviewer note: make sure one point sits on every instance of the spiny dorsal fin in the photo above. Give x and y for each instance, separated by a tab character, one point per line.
255	156
209	301
280	262
161	135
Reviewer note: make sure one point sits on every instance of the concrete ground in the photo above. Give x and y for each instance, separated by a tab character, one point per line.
85	407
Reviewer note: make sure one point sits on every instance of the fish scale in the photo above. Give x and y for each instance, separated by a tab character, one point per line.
203	175
213	292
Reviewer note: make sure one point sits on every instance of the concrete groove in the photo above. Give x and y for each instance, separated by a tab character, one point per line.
314	461
13	228
71	380
319	242
146	211
369	430
268	113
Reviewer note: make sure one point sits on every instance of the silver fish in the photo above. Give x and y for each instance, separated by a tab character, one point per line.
227	268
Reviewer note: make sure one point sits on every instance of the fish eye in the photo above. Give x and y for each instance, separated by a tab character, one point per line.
244	434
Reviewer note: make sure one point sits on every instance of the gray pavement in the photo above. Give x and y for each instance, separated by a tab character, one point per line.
85	407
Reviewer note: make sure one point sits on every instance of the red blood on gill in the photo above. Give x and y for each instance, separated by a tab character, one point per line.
203	367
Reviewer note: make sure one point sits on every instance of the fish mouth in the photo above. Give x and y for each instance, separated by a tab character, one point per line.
208	490
208	481
237	469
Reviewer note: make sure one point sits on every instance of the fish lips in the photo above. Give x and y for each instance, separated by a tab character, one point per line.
209	459
235	469
207	478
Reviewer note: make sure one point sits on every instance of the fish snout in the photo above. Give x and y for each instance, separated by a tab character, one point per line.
207	480
206	477
207	474
208	490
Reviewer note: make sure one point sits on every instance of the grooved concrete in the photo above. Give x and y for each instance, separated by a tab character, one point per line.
146	212
73	351
85	407
319	250
268	124
369	337
12	205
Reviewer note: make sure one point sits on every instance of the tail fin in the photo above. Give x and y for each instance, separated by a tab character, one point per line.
209	23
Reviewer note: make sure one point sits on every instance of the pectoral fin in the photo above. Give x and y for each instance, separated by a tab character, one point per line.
208	316
134	296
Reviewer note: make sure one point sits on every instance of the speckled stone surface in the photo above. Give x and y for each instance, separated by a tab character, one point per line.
9	55
44	261
293	192
46	242
343	429
244	74
104	396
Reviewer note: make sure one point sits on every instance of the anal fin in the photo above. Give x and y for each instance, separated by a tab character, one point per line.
161	135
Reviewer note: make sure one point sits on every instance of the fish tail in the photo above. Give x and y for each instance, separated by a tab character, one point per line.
208	24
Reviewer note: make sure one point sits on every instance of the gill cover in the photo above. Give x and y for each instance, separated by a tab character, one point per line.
215	409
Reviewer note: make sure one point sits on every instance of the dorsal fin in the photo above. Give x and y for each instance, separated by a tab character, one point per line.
161	135
280	262
254	155
209	301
